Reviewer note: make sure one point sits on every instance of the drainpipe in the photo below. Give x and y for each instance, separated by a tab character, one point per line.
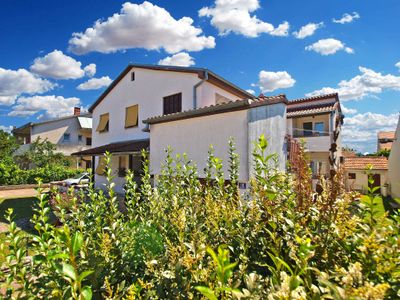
196	86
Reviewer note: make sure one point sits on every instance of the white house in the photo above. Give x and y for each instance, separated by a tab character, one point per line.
394	165
188	109
69	134
141	92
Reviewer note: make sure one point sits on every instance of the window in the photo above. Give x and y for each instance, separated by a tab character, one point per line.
319	128
103	123
352	175
172	104
318	167
131	116
66	137
79	138
133	76
122	160
307	129
101	165
88	141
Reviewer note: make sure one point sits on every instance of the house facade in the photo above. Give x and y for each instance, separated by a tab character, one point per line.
189	109
357	170
394	165
385	140
141	92
316	122
69	134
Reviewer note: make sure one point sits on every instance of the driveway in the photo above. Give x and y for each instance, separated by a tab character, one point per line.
20	193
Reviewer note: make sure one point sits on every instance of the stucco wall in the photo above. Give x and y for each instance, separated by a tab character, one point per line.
194	137
394	165
361	181
270	121
147	90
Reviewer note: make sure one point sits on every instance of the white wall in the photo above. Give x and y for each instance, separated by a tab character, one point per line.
194	137
147	90
54	131
394	165
361	181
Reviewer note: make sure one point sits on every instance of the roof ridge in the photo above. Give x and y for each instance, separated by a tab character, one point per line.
318	97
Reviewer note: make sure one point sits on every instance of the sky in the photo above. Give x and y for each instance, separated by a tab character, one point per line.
55	55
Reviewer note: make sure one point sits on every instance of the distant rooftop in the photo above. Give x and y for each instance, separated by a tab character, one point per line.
361	163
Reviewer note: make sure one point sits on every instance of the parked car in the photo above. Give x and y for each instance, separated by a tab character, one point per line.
80	179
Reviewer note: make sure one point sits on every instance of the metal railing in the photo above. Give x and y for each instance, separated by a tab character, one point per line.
300	132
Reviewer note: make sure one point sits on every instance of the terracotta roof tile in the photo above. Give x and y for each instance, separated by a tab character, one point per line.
361	163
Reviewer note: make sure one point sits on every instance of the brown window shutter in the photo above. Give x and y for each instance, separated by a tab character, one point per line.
131	116
103	123
172	104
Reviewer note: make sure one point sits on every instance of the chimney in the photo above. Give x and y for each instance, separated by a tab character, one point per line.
77	111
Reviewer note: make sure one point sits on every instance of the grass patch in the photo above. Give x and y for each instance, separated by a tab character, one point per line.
22	207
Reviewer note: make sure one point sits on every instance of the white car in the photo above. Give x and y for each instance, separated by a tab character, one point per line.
80	179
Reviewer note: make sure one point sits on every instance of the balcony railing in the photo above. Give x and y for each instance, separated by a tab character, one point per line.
300	132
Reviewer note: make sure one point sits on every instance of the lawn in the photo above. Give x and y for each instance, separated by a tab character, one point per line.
22	214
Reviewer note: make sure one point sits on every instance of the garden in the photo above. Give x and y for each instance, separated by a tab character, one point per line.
186	238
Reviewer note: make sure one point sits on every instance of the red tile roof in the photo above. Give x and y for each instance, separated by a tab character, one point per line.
361	163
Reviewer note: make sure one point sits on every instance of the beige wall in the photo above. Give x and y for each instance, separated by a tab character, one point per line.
394	165
361	181
194	137
298	122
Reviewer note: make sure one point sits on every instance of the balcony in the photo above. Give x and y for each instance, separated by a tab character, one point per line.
315	141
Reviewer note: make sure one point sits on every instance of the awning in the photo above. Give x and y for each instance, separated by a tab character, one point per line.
85	123
120	147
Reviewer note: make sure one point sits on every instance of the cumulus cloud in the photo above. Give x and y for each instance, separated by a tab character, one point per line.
349	111
307	30
397	65
16	82
251	91
50	106
347	18
271	81
182	59
368	83
235	16
57	65
360	131
6	128
328	47
95	83
90	70
141	26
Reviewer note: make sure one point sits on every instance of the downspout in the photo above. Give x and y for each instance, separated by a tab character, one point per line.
196	86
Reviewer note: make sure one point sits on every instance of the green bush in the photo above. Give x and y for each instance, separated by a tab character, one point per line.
277	242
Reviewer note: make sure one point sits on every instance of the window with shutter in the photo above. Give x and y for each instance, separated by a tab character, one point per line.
172	104
100	170
103	123
132	116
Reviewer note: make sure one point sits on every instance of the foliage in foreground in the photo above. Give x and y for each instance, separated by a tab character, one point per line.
189	239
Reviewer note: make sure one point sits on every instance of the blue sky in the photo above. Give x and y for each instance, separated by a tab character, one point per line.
264	46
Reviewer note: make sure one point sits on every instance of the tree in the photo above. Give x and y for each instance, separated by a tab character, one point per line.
41	154
8	145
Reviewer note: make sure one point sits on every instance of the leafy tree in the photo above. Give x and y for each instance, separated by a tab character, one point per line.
382	152
41	154
8	145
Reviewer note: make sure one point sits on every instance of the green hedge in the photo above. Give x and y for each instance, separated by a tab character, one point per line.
11	174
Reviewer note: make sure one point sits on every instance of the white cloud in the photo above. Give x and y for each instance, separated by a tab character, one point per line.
360	131
367	83
182	59
141	26
16	82
57	65
271	81
95	83
307	30
90	70
328	47
251	91
52	106
235	16
397	65
347	18
349	111
6	128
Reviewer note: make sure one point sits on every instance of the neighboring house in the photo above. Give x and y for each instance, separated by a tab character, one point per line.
188	109
356	174
69	134
317	122
394	165
385	140
141	92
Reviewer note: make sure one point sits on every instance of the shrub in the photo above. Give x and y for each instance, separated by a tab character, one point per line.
271	243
